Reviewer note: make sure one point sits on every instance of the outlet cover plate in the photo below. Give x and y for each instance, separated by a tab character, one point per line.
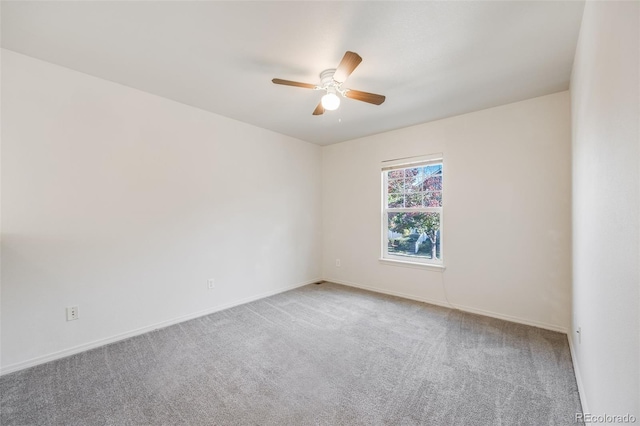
72	313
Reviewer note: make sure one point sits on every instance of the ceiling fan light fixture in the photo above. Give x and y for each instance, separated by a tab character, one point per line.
331	81
330	101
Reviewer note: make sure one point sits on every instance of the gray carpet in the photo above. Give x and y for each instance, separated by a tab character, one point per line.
318	355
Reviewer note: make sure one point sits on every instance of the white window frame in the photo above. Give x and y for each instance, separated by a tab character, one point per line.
397	260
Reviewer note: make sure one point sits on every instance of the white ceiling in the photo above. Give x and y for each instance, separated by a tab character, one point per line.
431	59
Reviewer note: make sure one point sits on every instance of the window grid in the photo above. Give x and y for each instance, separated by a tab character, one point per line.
412	212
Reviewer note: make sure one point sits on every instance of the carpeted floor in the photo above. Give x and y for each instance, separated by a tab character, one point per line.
318	355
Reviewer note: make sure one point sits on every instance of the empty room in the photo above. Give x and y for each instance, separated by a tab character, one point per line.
319	213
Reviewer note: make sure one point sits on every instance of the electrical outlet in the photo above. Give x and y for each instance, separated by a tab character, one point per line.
72	313
579	333
211	283
337	263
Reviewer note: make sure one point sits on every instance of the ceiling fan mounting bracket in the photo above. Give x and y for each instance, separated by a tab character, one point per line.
328	84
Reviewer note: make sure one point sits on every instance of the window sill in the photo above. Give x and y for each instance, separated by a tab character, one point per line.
416	265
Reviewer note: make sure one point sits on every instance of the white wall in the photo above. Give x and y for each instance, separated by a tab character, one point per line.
0	197
605	93
507	231
124	204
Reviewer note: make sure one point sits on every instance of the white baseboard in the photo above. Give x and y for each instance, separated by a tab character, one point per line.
538	324
576	370
101	342
463	308
389	292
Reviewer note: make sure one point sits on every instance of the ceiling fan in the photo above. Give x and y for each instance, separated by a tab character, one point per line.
331	82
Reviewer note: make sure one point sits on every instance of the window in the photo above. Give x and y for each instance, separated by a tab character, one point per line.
412	210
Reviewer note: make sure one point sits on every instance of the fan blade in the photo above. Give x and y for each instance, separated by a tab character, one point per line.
371	98
319	109
349	63
293	83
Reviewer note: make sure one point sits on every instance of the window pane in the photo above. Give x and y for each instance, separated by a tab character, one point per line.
413	200
414	234
394	174
411	172
413	184
433	199
395	186
395	200
432	170
432	183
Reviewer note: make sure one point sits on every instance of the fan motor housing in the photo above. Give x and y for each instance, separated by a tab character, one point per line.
326	77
